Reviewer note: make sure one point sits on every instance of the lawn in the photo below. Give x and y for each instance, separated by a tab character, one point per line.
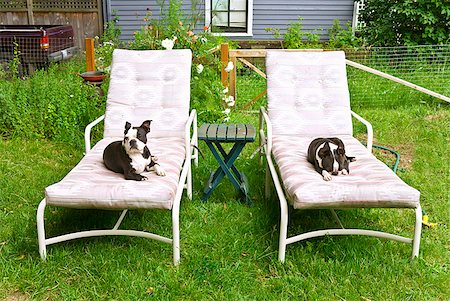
229	250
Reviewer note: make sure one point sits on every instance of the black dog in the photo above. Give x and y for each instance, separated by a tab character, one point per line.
131	156
328	157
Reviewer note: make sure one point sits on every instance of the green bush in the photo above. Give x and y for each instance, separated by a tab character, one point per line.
53	104
342	38
295	37
400	22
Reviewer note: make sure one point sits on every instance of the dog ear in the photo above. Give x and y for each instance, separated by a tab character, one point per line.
325	151
146	125
341	151
127	127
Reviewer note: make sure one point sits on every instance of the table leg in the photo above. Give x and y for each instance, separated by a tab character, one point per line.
224	168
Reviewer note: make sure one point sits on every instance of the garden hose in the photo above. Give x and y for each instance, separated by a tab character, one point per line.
425	218
397	156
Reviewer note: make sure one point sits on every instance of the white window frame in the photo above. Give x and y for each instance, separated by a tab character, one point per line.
249	32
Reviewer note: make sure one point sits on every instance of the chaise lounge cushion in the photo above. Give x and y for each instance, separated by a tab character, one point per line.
91	185
370	183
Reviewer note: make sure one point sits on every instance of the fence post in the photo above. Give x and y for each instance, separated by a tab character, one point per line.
224	57
30	12
233	78
90	58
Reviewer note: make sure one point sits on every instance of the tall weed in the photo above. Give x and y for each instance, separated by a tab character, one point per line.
52	104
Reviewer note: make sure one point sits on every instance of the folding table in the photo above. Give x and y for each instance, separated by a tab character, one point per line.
214	136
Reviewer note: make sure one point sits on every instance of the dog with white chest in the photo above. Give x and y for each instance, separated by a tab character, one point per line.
131	156
328	157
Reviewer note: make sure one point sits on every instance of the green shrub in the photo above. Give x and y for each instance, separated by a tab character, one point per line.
53	104
295	37
343	38
400	22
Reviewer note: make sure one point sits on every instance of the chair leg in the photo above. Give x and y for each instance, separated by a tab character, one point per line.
176	235
283	233
189	181
267	187
41	229
417	233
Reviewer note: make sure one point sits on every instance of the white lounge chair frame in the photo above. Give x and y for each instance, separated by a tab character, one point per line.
265	135
185	182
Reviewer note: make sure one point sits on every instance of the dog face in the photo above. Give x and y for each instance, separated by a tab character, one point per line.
135	138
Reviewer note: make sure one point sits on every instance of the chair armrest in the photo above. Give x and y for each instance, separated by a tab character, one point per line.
87	132
369	130
191	140
263	137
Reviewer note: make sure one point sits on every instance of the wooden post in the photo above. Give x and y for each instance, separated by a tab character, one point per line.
232	83
100	17
90	57
224	57
30	12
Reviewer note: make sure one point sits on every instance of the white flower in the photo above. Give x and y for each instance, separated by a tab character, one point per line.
168	44
226	111
204	40
199	68
225	91
71	95
229	99
229	67
226	119
231	103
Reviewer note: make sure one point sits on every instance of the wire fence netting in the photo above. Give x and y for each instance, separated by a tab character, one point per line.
425	66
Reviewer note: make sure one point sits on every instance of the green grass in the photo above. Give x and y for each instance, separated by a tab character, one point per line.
229	250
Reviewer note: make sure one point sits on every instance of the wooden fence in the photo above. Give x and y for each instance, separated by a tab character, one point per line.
85	16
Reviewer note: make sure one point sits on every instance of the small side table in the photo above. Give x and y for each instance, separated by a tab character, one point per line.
215	135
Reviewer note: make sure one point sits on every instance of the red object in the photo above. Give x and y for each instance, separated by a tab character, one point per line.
92	76
44	40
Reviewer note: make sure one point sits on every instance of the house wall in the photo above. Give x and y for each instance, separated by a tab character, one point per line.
317	15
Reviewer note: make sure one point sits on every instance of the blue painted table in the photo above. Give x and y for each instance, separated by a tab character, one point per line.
215	135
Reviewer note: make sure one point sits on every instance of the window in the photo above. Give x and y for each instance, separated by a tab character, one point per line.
229	17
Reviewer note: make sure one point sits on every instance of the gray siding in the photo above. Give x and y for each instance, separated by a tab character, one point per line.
317	15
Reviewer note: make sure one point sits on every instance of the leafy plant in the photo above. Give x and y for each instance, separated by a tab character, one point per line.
53	104
340	37
106	44
400	22
295	37
14	64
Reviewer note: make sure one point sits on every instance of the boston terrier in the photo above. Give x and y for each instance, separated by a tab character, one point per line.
328	157
131	156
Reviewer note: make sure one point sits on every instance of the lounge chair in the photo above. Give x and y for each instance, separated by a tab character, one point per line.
308	97
150	84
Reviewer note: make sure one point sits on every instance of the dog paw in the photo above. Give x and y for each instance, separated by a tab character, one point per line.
144	178
154	158
344	172
326	175
159	171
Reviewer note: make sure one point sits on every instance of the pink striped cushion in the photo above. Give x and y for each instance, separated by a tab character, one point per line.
307	93
370	183
91	185
149	84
